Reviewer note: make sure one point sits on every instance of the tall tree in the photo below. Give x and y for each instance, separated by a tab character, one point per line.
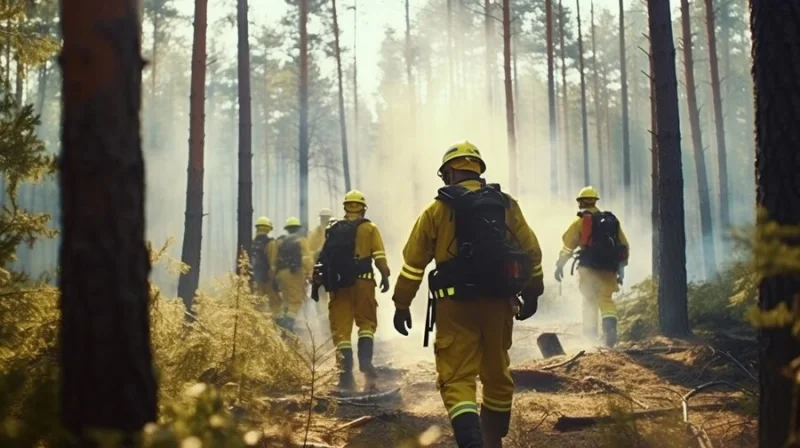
193	222
356	129
584	119
490	54
655	203
245	202
107	379
704	197
551	99
564	96
303	139
510	130
775	28
450	62
602	156
626	134
672	303
342	123
719	120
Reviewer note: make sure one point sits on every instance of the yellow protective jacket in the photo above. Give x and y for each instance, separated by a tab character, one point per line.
307	262
434	238
316	239
572	239
369	244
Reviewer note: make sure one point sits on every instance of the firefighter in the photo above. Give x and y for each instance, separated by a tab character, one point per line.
316	238
351	246
597	241
486	255
263	278
293	266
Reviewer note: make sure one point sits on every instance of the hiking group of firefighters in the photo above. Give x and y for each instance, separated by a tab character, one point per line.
488	272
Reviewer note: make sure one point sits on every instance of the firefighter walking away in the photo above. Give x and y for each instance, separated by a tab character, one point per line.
264	283
316	239
293	266
486	258
345	269
596	240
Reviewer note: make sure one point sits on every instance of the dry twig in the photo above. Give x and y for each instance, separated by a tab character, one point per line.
613	389
565	363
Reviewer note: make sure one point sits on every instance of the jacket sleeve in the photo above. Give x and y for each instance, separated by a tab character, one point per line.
417	253
379	252
272	255
527	239
308	263
624	241
571	239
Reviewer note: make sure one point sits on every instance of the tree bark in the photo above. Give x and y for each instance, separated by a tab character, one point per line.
193	224
584	119
450	63
303	139
19	78
602	156
489	31
565	141
775	27
107	379
245	196
719	120
704	198
655	222
510	130
44	74
342	122
356	129
672	303
626	133
551	100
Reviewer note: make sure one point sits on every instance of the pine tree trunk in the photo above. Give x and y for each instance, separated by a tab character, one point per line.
568	181
719	120
584	118
672	303
450	62
602	157
626	133
551	100
704	198
303	137
342	122
775	27
510	130
245	197
44	75
356	129
193	225
490	54
107	379
19	78
655	203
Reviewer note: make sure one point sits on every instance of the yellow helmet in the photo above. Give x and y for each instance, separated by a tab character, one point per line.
292	222
355	197
325	212
463	150
263	222
588	193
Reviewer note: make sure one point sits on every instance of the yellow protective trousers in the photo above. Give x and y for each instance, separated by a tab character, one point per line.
292	287
354	304
597	288
472	339
273	299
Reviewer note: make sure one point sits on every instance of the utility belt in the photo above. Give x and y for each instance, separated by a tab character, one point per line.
443	283
364	268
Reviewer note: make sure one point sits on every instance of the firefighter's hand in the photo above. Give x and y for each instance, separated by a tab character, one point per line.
530	303
402	321
384	284
559	272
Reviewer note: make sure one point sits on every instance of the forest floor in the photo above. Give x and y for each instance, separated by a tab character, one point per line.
629	396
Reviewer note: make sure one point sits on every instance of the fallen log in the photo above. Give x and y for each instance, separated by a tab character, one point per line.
567	423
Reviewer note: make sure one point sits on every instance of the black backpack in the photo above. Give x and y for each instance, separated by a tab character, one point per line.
601	249
259	259
486	264
337	261
290	253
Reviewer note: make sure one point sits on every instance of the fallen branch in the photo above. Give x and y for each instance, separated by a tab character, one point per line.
729	356
365	398
566	423
660	350
700	435
702	387
567	362
361	421
613	389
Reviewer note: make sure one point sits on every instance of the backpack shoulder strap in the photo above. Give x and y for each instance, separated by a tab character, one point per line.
451	193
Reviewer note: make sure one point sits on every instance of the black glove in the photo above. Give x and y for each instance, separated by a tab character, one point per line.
559	272
402	321
530	303
384	284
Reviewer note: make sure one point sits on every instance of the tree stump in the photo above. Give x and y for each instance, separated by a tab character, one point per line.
549	345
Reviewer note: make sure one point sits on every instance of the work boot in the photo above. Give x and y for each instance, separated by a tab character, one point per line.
610	331
345	362
590	320
365	349
467	430
495	427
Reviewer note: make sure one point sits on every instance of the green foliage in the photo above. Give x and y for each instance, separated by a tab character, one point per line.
25	32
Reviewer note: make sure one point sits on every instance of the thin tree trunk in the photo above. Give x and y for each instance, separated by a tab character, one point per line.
490	54
44	74
626	134
672	303
511	132
154	60
356	129
704	198
775	27
584	119
602	157
719	120
565	141
303	137
450	62
342	122
655	210
245	196
193	225
551	100
19	78
107	380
